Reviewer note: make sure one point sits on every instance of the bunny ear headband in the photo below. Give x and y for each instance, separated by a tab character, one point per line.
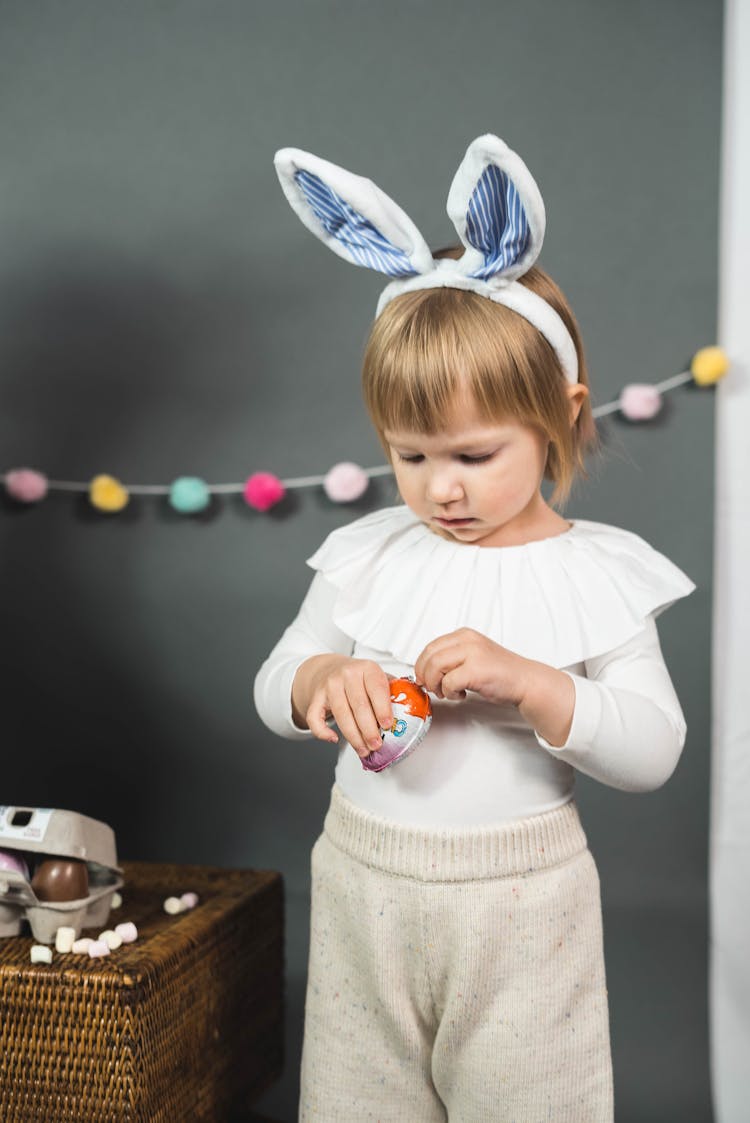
493	202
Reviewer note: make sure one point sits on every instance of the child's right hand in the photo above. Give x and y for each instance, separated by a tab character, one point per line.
354	692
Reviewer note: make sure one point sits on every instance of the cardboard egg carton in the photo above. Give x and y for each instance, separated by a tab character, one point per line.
61	834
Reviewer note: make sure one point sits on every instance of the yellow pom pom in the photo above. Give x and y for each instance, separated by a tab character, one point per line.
108	494
709	365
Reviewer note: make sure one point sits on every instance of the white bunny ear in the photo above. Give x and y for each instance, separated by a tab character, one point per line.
351	215
497	210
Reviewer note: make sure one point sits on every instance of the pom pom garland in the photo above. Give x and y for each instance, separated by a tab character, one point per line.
188	495
344	482
263	491
640	401
709	365
107	494
26	485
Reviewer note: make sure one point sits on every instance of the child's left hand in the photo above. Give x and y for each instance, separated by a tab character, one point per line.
466	660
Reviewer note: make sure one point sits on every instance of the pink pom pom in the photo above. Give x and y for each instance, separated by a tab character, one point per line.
345	482
263	491
640	402
26	485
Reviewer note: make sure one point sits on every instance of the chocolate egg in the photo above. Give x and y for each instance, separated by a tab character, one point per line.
412	715
61	879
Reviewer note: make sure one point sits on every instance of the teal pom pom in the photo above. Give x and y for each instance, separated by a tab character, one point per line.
188	495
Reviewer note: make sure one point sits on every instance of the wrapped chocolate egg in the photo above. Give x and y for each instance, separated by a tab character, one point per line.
13	860
61	879
412	715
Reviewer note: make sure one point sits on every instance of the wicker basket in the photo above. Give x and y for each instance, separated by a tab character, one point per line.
185	1024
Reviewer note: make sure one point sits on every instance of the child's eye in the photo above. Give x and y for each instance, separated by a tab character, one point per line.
477	459
416	459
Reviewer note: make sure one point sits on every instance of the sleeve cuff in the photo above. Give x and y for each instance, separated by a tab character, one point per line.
292	730
586	717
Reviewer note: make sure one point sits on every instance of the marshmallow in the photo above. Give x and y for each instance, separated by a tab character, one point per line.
112	939
127	932
173	905
189	900
64	940
81	947
116	901
40	953
98	948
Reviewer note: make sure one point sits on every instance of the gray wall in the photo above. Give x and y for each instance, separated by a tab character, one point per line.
162	312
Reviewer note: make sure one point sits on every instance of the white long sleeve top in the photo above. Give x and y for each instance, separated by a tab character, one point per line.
584	601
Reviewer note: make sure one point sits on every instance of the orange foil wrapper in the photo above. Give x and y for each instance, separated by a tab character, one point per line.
412	715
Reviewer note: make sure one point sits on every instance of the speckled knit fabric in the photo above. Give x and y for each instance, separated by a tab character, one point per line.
455	975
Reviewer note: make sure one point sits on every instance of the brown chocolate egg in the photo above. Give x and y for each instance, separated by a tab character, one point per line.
61	879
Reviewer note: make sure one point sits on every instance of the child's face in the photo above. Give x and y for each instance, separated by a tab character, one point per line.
475	480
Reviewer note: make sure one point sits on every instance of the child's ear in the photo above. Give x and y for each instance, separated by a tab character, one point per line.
577	395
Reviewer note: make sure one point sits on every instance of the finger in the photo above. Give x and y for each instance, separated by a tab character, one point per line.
369	696
378	686
316	718
440	663
368	722
453	685
347	722
427	671
428	653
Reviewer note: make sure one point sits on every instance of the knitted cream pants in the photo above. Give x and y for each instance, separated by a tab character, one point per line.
455	975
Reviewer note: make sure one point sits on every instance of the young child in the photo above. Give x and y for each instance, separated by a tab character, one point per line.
456	966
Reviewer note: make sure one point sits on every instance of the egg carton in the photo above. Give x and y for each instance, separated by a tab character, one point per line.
63	834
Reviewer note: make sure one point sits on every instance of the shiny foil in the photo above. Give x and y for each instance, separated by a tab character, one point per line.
412	715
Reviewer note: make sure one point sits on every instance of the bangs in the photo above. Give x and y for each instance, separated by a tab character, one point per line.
432	348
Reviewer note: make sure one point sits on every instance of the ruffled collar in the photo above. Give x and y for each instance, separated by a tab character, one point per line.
560	600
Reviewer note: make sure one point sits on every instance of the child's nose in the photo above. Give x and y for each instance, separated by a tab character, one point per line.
444	486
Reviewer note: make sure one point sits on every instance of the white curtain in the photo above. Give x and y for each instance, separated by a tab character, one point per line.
730	795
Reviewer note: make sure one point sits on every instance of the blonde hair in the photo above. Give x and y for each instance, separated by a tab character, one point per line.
429	346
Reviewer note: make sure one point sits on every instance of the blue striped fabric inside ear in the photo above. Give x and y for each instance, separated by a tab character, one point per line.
496	223
363	241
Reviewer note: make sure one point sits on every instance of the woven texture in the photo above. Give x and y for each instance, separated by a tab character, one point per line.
185	1024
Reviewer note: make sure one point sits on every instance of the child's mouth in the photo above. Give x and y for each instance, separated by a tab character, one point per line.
452	522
